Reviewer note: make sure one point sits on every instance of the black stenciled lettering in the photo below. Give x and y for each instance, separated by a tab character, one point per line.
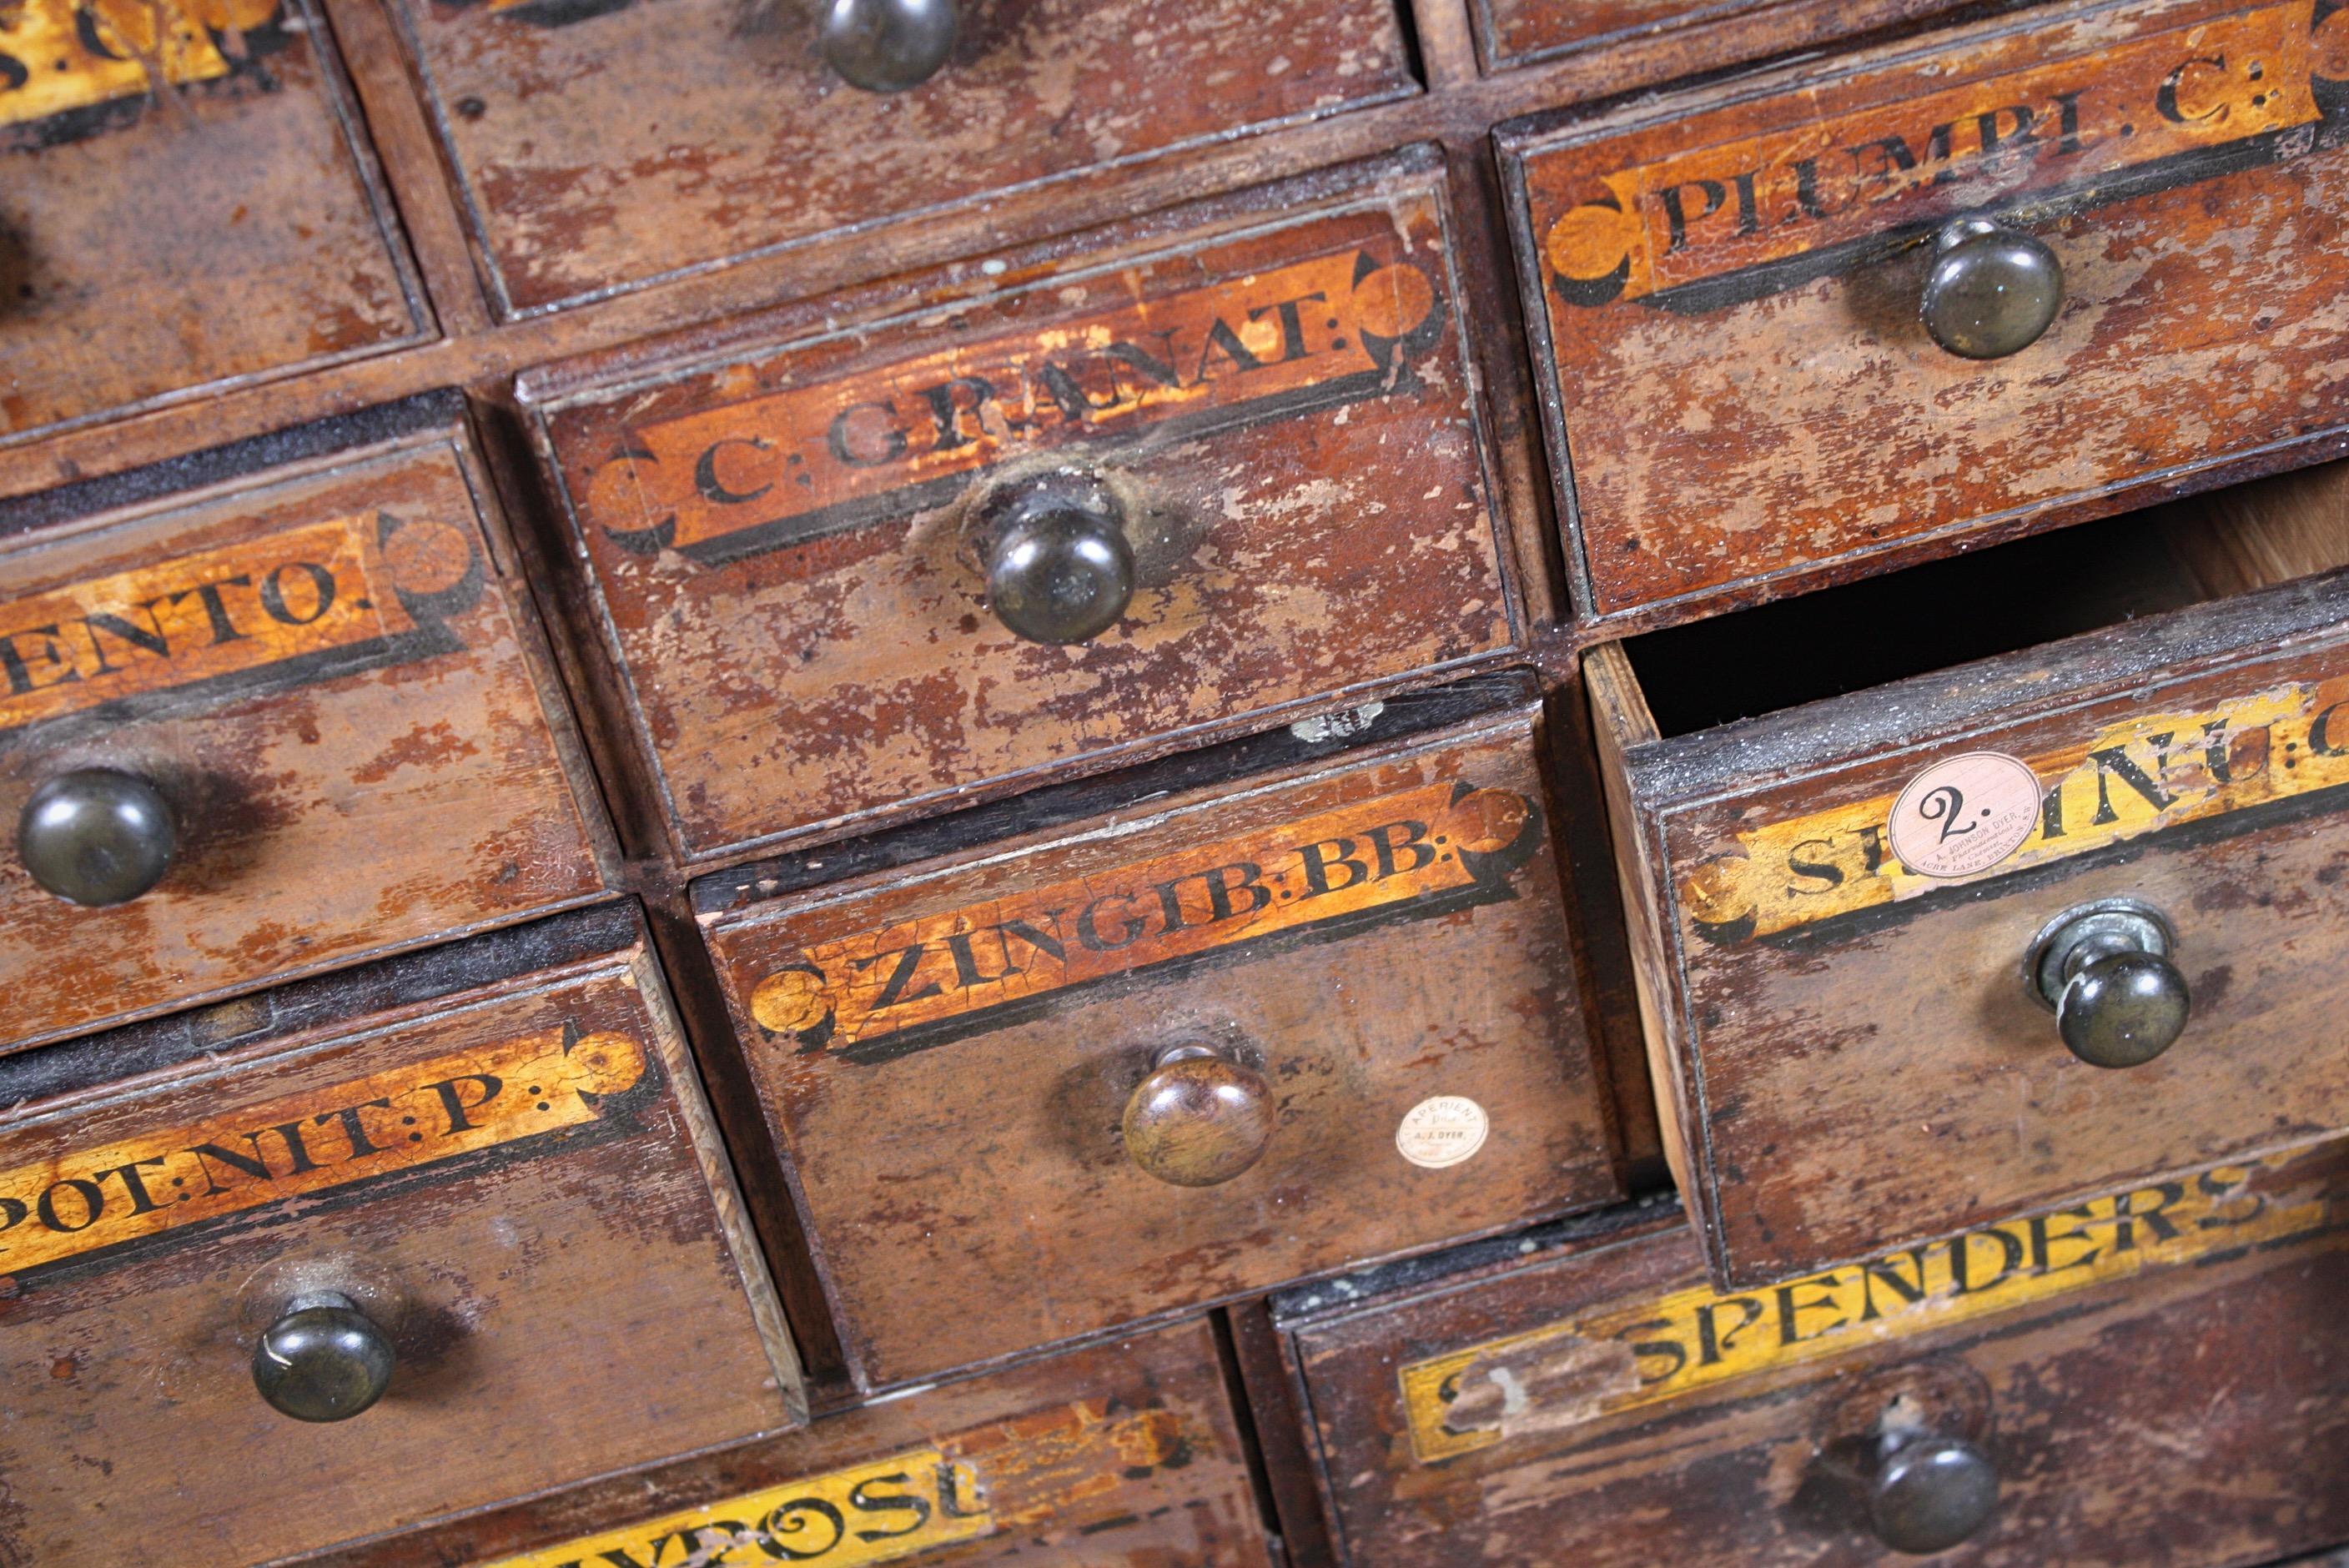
354	1128
909	960
289	1133
951	1502
1710	1340
2215	1186
1669	1351
1882	1272
322	593
1089	932
2320	734
1037	938
2218	744
458	1109
2067	121
949	401
2008	126
141	1202
864	1500
2011	1258
88	1195
1676	216
1223	881
19	667
2044	1241
844	441
1389	841
216	615
1223	340
801	1517
1316	866
2159	1227
1824	872
715	490
13	1212
149	638
2112	762
13	74
1170	905
1791	1308
2165	100
253	1165
1292	325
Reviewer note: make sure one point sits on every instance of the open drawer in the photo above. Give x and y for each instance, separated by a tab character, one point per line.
1868	925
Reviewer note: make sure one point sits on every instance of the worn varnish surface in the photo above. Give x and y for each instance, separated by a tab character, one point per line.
1518	32
223	225
331	673
517	1182
2193	1412
777	542
947	1057
1122	1454
606	144
1848	1045
1739	386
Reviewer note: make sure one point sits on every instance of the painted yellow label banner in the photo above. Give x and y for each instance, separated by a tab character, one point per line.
780	462
1647	1351
876	1513
2154	771
57	56
272	599
57	1208
1716	210
1443	845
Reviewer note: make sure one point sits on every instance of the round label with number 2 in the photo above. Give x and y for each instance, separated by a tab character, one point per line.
1965	814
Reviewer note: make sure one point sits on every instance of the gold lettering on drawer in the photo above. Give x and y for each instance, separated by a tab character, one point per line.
57	56
2150	773
304	1146
876	1513
1638	1353
770	471
277	610
1778	209
875	995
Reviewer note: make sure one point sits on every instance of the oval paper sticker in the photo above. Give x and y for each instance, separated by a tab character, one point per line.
1965	815
1442	1132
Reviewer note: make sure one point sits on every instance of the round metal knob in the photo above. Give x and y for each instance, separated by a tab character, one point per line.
322	1361
1061	568
1992	290
1931	1493
95	836
888	45
2105	968
1198	1119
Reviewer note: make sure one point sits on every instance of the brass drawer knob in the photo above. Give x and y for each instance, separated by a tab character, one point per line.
888	45
322	1359
1931	1491
1199	1118
1992	290
1059	567
2105	968
97	836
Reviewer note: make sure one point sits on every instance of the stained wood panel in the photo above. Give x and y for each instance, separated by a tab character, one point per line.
161	237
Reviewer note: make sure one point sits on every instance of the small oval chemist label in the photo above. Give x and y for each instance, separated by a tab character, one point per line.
1441	1131
1965	815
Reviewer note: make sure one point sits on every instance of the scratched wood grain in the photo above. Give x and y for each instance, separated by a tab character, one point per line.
1739	392
777	536
224	225
1848	1046
2189	1414
518	1181
968	1191
332	674
1123	1454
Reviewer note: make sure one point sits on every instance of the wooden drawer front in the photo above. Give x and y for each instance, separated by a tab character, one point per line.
1741	391
948	1055
229	225
1855	1056
1123	1454
517	1184
1520	32
2156	1376
607	145
781	545
334	681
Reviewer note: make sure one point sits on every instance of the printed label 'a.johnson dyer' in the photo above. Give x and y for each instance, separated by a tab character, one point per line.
67	1207
766	472
275	609
871	995
1646	1351
70	67
1737	219
2278	750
